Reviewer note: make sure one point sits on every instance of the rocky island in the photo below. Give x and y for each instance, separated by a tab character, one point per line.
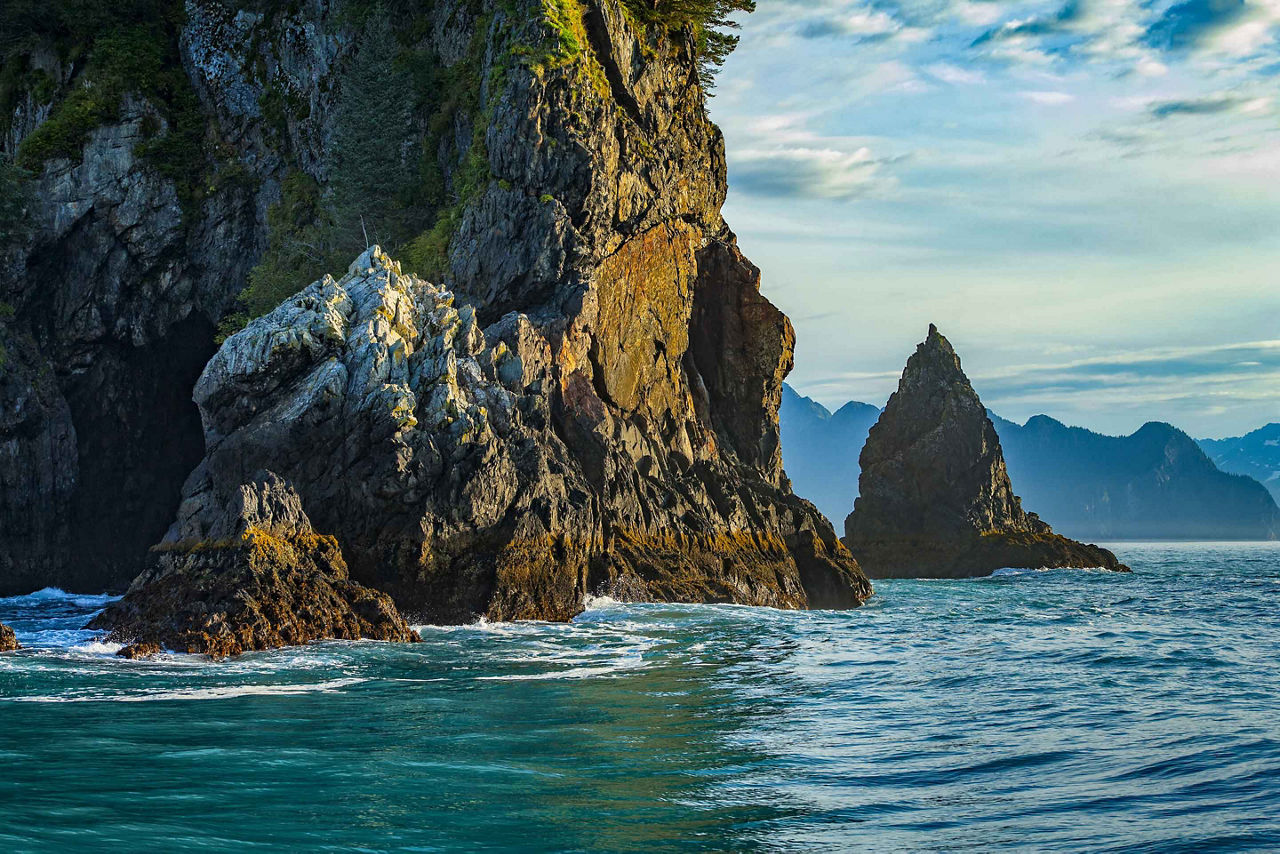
567	382
935	499
8	640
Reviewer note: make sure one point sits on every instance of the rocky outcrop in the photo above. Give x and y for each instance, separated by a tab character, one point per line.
8	640
466	472
935	498
570	185
259	577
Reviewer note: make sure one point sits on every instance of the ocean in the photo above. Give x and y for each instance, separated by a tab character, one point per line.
1049	711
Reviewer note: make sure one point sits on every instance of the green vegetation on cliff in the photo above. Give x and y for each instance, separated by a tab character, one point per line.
123	47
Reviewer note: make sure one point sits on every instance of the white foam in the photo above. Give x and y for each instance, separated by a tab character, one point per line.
1011	570
95	647
599	603
225	692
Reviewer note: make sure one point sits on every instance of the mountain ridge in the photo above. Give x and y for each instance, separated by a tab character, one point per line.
1035	480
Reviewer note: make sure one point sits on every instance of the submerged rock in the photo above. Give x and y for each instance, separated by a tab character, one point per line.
8	640
259	577
472	472
935	497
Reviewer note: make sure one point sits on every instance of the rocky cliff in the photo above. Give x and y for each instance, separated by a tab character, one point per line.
935	498
610	374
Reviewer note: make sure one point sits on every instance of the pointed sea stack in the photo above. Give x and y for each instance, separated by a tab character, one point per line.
8	640
935	498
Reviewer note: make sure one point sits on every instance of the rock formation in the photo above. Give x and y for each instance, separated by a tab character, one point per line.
935	498
464	473
259	577
8	640
560	177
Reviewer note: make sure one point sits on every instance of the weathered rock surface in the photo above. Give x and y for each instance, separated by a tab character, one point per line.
602	412
935	497
260	577
8	640
465	472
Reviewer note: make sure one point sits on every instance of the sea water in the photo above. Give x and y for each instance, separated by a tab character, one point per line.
1052	710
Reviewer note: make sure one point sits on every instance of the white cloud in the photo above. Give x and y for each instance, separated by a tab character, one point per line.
1051	99
954	74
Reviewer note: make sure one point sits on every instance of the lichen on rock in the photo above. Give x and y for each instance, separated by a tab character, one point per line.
8	640
260	578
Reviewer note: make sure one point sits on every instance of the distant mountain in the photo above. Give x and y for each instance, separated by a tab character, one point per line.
820	450
1154	484
1255	454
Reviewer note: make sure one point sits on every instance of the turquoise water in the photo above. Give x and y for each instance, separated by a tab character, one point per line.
1045	710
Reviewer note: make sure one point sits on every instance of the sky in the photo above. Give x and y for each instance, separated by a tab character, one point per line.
1083	195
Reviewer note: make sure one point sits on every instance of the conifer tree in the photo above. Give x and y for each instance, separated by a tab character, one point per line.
371	162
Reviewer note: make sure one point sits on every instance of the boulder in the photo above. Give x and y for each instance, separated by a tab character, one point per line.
8	640
260	577
935	500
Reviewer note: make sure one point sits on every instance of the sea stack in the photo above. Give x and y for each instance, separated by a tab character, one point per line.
8	640
935	500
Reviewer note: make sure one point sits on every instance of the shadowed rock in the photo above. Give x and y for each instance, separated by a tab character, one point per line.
8	640
597	410
259	578
479	472
935	498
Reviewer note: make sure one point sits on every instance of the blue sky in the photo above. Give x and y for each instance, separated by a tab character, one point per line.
1084	196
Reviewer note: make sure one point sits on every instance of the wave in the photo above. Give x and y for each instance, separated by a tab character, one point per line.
224	692
57	594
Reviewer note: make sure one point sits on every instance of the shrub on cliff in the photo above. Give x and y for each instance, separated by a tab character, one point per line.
708	19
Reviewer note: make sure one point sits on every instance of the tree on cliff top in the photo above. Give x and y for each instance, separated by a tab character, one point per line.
709	20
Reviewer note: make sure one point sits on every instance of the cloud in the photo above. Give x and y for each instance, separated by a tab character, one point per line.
954	74
1192	23
1051	99
809	172
1209	105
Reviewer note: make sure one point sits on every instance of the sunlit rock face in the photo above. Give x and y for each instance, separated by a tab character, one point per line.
584	182
466	472
258	577
935	498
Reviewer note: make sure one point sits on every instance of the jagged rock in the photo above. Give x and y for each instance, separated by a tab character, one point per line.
600	296
467	472
935	498
259	577
8	640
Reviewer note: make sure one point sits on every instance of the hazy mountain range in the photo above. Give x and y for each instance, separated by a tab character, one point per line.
1255	454
1157	483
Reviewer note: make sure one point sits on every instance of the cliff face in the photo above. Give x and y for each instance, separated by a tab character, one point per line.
935	497
572	208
